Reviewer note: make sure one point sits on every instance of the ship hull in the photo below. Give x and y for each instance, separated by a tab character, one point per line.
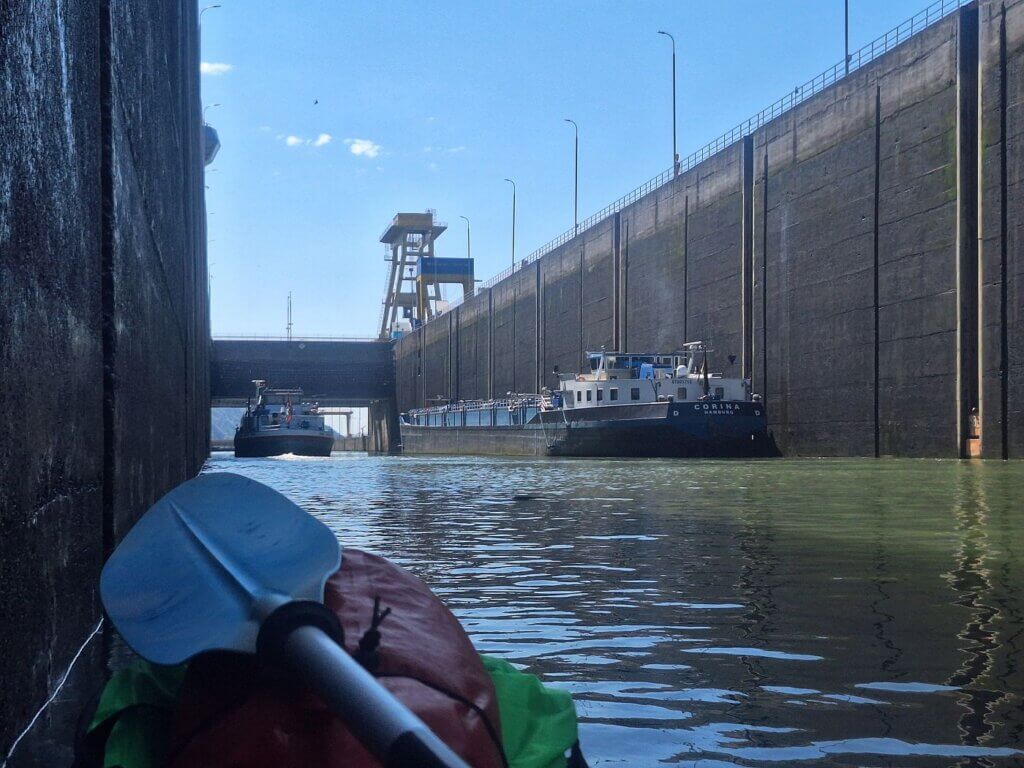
259	445
669	430
474	441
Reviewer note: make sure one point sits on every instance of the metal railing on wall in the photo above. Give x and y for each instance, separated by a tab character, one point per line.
237	337
935	12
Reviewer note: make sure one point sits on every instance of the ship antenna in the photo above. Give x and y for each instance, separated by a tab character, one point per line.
707	387
289	315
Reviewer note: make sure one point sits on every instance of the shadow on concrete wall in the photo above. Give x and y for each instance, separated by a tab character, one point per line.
104	323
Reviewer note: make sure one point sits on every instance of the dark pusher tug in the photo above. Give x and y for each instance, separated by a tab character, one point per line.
627	404
281	423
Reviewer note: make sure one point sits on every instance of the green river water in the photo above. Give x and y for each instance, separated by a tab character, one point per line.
714	613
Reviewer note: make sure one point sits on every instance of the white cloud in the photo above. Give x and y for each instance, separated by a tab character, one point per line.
214	68
363	147
455	150
292	140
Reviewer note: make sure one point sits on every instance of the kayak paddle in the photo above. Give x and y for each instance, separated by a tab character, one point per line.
225	563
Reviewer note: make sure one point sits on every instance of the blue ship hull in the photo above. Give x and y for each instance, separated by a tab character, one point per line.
684	429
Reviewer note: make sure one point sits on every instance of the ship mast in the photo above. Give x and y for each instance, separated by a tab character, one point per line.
289	327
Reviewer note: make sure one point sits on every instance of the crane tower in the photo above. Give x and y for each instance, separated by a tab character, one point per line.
416	274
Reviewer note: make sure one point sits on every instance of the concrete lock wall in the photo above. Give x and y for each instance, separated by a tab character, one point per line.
103	323
861	185
859	257
1001	236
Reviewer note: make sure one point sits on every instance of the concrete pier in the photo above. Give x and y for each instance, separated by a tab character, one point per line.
859	256
103	324
351	443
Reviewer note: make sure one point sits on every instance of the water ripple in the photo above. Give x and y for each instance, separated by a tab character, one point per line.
683	603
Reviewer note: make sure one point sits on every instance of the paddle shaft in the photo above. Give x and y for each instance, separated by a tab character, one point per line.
385	726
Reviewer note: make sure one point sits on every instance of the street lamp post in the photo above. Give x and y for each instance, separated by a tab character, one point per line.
469	252
207	8
576	173
208	106
675	153
846	33
513	221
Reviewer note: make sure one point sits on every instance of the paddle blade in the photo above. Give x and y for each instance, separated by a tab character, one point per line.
207	563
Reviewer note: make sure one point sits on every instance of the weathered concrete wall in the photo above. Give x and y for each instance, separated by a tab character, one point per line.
437	353
160	332
103	321
832	256
1002	227
408	368
503	335
51	349
813	275
917	249
526	291
578	283
597	289
561	313
681	249
472	347
873	156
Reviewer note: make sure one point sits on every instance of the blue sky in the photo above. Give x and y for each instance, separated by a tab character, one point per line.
431	105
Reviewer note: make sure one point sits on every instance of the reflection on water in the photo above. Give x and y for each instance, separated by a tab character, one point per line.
791	612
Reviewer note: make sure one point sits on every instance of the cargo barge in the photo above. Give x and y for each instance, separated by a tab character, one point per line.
644	405
281	423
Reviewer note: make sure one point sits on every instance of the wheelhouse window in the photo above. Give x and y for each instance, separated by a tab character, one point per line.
589	393
600	395
634	393
681	393
579	396
613	393
719	393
